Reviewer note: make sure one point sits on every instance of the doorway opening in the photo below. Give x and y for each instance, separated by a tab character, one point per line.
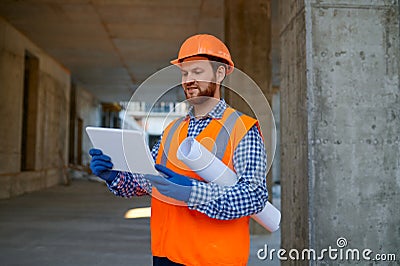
29	112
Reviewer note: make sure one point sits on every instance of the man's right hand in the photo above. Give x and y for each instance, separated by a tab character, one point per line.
101	165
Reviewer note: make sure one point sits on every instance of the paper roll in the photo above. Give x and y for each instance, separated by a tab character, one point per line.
204	163
211	169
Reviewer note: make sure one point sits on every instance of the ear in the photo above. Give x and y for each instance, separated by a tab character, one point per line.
220	74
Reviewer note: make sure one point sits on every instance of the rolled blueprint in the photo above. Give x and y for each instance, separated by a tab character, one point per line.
211	169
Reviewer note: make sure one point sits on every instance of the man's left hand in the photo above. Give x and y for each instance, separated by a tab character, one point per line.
172	185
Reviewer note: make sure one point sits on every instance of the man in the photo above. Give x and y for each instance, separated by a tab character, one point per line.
194	222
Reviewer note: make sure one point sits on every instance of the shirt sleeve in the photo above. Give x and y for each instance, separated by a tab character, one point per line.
128	184
248	196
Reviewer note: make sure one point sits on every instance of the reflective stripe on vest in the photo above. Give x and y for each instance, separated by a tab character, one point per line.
174	127
188	236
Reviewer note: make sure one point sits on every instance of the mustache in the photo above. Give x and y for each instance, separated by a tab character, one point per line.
190	85
194	84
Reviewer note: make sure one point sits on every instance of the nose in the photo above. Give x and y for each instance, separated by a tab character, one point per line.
188	79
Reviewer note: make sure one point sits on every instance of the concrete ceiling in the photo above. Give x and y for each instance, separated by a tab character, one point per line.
112	46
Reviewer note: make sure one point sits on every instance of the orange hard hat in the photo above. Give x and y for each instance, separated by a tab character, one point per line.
205	44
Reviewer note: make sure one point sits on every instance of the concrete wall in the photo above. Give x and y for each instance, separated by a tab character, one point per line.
52	116
340	124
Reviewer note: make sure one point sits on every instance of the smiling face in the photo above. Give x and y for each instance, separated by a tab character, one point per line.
199	79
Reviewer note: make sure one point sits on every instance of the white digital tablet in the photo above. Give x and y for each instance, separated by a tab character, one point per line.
127	148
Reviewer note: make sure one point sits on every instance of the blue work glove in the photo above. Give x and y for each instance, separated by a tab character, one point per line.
101	165
172	185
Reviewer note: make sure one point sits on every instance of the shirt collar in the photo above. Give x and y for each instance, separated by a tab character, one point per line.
215	113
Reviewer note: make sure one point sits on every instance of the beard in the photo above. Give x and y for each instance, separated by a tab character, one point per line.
209	91
203	93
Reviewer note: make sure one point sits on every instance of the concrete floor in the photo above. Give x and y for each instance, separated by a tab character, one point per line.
82	224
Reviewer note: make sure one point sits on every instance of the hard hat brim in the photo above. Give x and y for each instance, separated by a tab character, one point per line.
175	61
229	68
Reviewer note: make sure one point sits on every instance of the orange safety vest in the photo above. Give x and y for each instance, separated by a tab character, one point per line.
187	236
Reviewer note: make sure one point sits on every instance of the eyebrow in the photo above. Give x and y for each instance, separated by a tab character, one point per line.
197	68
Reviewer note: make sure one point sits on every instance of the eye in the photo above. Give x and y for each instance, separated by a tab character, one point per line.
184	73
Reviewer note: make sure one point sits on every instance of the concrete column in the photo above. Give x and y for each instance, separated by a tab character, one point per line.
248	36
340	120
294	149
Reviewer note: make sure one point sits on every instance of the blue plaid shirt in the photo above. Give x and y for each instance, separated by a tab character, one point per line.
248	196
